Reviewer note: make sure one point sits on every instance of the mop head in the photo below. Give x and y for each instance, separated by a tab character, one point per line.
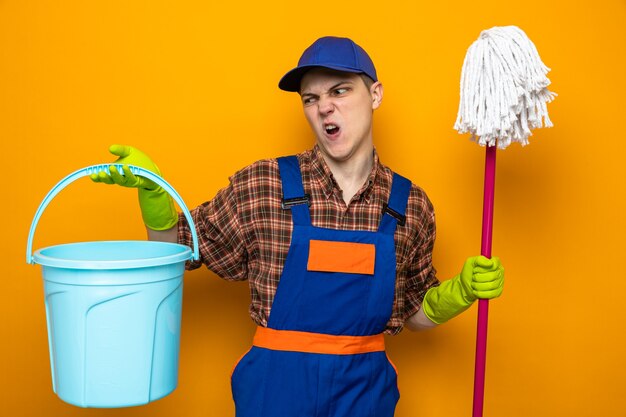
503	89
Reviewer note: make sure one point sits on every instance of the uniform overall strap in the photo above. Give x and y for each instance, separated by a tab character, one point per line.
294	198
394	210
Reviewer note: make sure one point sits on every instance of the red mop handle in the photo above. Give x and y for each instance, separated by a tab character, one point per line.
483	305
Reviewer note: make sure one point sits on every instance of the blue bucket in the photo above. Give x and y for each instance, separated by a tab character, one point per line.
113	311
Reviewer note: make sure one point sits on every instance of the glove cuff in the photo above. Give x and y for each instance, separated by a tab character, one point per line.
157	209
445	301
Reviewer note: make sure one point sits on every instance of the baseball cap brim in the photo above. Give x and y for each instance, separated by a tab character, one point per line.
291	80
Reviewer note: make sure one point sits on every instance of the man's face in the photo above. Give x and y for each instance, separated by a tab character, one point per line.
338	107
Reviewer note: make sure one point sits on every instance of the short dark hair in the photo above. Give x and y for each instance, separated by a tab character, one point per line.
367	80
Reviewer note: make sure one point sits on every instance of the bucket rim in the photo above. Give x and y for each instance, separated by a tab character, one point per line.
184	254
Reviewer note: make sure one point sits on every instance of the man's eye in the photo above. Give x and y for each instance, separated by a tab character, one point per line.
308	100
339	91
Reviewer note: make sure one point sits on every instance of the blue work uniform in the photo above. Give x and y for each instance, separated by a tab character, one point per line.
322	353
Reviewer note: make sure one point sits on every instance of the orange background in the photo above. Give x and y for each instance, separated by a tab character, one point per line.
193	83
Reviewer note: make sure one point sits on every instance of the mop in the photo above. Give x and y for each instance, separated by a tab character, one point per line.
503	96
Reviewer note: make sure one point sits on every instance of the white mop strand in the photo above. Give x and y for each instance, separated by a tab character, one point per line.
503	89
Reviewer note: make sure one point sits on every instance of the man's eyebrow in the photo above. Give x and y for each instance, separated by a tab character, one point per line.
339	84
334	86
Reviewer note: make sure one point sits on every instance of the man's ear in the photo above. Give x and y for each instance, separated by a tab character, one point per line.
376	91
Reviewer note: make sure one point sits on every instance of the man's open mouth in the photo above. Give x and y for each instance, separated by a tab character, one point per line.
331	129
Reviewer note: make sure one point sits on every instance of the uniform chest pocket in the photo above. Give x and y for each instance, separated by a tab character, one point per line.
346	257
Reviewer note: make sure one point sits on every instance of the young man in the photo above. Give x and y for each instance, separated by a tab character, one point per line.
336	247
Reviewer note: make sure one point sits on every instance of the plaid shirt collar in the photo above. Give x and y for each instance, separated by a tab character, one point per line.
323	175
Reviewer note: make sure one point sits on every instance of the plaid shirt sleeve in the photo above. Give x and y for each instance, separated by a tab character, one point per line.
221	241
421	275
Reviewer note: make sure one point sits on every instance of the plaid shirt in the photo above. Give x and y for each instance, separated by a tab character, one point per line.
245	234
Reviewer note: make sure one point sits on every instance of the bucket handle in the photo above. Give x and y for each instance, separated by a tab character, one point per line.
93	169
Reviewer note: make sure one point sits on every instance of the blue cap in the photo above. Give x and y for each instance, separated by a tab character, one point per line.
340	54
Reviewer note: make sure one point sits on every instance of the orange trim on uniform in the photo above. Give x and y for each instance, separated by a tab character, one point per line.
316	342
347	257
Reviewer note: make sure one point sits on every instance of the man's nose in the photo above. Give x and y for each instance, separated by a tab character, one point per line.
325	105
